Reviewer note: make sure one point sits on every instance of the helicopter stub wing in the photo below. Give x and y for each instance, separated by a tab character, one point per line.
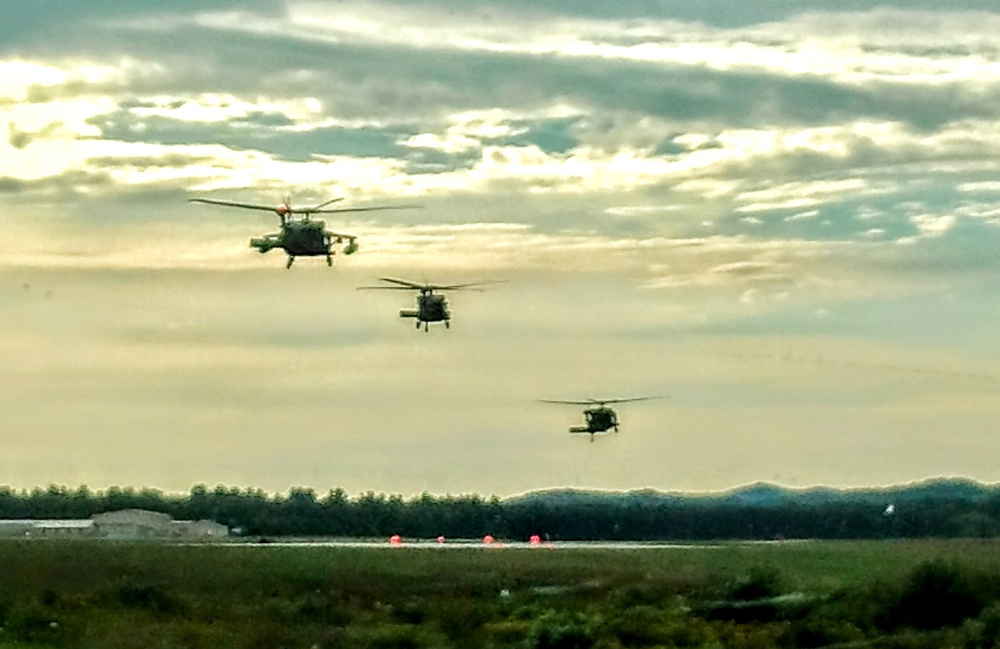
339	237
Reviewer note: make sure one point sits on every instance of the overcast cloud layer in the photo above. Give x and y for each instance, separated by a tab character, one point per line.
785	216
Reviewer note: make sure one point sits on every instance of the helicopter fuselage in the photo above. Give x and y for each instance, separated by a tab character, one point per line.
433	308
305	238
430	308
599	420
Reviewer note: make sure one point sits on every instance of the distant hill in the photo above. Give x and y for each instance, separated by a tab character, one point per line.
762	494
941	507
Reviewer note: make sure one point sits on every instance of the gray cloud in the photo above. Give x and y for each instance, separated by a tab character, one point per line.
66	184
390	80
816	175
50	26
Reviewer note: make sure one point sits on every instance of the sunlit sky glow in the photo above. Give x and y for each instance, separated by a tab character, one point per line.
785	216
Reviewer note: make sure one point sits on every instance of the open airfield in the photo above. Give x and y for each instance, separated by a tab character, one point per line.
808	594
472	544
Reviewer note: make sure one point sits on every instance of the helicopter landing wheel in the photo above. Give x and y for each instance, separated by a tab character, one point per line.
447	324
329	260
418	325
288	264
427	327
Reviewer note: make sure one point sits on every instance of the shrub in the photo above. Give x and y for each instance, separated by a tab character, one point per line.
820	631
394	637
986	630
506	633
33	624
560	630
146	597
762	582
411	612
463	620
639	626
935	595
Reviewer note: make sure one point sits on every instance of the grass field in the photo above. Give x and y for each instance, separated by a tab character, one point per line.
809	594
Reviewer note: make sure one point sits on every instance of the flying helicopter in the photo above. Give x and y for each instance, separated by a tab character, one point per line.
431	307
600	418
302	237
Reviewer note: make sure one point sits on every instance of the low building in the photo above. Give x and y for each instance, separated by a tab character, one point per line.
46	528
132	524
126	524
203	529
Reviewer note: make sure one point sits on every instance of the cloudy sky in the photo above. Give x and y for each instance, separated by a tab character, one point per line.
783	215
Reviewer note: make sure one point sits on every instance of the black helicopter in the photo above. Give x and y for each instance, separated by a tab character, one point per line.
600	418
431	307
302	237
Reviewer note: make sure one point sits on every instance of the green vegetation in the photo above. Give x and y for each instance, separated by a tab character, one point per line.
886	594
934	509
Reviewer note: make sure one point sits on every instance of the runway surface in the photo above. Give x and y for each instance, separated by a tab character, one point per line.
465	544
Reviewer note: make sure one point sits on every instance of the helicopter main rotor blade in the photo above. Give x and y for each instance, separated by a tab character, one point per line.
403	282
316	208
319	209
339	210
384	288
470	286
600	402
246	206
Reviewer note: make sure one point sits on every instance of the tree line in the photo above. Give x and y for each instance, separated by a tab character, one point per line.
302	512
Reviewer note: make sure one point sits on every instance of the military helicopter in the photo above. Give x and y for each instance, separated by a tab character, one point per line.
430	306
302	237
600	418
